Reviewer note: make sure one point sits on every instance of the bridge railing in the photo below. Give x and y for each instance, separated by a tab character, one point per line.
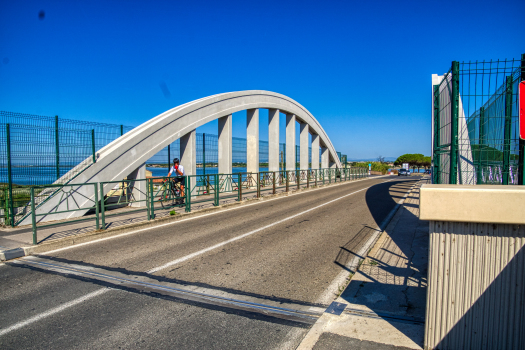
160	196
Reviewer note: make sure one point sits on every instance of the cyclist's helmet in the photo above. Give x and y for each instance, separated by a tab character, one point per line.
175	160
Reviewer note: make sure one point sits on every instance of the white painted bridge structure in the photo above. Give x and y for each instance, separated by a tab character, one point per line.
127	155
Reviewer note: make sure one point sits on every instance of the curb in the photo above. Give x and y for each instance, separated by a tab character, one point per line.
15	253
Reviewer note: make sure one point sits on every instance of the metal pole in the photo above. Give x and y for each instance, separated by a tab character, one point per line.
453	176
521	145
204	153
216	176
10	177
239	186
121	129
259	185
297	178
96	208
169	157
93	145
57	148
188	193
274	182
481	142
33	216
103	206
436	155
152	200
507	131
287	181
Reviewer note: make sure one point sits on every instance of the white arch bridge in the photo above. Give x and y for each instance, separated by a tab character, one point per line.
127	155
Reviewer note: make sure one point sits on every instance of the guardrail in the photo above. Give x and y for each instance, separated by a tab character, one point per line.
163	194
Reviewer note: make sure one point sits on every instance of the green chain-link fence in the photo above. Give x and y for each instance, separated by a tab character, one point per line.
475	123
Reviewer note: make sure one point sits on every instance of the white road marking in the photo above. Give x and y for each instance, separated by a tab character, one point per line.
179	221
53	311
187	257
218	245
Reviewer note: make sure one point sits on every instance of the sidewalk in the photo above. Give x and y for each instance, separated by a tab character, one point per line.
385	299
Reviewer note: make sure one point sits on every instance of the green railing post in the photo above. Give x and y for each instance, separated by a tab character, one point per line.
507	131
204	155
152	200
57	148
435	156
121	129
97	218
216	201
298	178
287	181
93	145
258	185
33	215
103	206
169	157
329	175
481	142
239	186
11	212
188	193
273	183
316	172
453	176
521	143
307	178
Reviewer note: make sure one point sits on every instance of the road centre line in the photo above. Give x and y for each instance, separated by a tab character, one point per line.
104	290
182	220
218	245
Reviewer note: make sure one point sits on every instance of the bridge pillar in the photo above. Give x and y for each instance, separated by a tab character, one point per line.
252	140
325	156
188	152
273	140
138	188
315	151
290	142
303	148
225	145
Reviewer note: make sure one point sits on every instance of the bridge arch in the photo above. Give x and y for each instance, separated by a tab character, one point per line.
129	152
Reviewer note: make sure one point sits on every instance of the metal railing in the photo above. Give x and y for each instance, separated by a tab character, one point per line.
160	196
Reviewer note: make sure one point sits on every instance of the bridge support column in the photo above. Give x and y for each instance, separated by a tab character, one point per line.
290	142
225	145
315	151
273	140
325	156
303	148
252	140
188	152
138	188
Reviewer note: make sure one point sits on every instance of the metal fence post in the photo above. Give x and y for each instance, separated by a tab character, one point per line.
188	194
103	206
298	178
287	181
152	200
216	176
97	216
169	157
521	143
11	211
239	186
481	142
307	178
436	155
121	129
507	131
273	183
453	176
258	185
93	145
33	215
57	148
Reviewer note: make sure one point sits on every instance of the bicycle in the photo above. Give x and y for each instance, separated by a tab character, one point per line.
170	195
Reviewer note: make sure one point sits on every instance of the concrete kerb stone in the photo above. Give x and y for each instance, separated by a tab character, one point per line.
98	234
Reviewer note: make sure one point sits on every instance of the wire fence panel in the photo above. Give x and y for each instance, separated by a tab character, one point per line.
482	134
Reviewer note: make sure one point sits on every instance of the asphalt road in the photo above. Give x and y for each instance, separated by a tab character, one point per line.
283	253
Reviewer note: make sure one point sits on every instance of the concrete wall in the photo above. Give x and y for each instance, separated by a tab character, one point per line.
476	272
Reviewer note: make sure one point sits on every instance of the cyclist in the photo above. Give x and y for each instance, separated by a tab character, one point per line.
179	174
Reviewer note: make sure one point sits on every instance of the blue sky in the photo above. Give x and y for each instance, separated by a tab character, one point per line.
363	68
